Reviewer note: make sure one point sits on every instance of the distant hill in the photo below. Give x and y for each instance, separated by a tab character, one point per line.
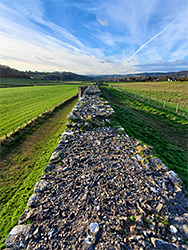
7	72
157	76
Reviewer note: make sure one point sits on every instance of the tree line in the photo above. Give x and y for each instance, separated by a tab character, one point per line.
7	72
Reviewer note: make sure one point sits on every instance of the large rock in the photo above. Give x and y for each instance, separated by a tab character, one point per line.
41	186
16	238
33	200
173	177
163	245
182	224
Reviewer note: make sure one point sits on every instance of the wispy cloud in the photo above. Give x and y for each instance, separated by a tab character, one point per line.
103	22
100	36
164	66
150	40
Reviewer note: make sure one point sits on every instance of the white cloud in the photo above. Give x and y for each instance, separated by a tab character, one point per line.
35	50
149	31
103	23
52	56
152	31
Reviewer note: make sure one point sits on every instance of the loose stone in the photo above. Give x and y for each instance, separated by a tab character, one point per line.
173	229
99	191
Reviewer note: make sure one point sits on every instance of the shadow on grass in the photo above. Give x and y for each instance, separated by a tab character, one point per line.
162	130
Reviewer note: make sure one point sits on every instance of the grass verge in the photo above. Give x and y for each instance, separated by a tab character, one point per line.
24	162
164	131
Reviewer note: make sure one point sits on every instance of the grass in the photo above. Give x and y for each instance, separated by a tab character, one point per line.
164	131
171	92
22	167
19	105
18	82
15	82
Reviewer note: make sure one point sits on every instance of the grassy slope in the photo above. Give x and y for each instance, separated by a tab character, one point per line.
164	131
19	105
23	166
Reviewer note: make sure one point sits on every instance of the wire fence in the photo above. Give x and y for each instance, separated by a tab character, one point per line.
175	108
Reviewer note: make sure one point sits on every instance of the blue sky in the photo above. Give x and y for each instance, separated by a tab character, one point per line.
94	36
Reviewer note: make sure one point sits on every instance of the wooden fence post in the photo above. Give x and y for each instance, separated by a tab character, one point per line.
164	104
177	108
155	101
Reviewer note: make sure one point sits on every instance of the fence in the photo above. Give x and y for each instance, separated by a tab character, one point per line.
176	108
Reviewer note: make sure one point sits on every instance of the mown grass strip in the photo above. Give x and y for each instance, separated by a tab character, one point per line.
18	135
19	105
166	132
22	167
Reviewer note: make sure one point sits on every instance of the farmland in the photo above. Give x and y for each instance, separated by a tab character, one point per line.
166	132
24	163
21	104
21	82
171	92
15	82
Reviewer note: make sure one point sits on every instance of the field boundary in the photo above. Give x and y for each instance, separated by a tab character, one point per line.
154	100
7	138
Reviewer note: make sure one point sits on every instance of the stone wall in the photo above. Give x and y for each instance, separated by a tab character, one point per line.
102	190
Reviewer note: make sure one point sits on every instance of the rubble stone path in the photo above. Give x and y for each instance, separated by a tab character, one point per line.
103	190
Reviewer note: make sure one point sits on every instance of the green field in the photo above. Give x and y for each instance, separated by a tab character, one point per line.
22	167
13	82
166	132
171	92
21	104
20	82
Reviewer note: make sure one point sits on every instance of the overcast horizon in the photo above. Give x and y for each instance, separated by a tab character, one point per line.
94	37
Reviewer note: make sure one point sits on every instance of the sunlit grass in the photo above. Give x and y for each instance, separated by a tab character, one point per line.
22	167
21	104
170	92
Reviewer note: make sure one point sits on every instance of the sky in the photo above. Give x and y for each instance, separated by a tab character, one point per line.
94	36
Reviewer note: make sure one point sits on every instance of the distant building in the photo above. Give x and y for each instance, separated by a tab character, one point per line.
171	79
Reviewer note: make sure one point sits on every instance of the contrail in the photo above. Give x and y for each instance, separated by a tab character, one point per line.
154	37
